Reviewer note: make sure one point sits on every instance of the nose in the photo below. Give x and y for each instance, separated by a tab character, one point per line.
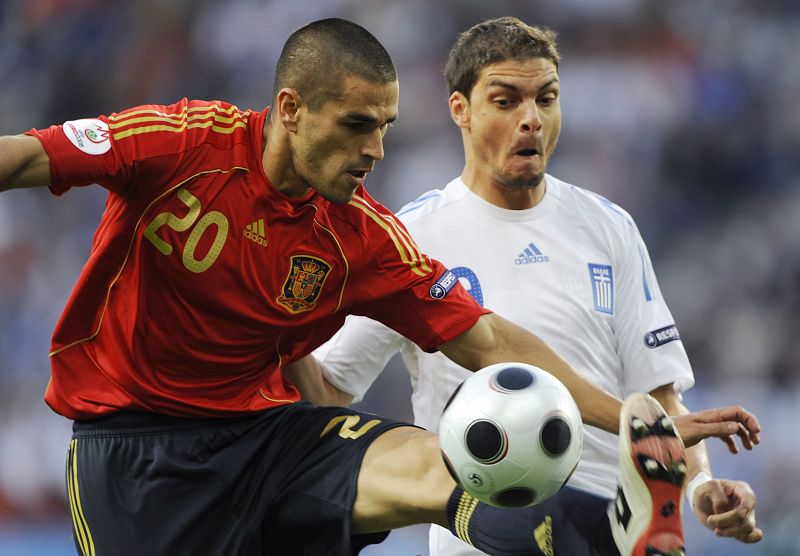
373	145
530	118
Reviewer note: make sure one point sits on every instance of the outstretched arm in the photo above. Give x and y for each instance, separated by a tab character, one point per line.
23	163
494	340
726	507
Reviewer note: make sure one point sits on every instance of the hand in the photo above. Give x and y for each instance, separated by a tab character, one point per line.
728	508
722	423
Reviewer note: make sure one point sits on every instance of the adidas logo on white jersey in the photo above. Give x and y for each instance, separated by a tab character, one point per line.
531	255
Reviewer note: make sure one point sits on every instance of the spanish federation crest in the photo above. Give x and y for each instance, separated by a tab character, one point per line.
306	277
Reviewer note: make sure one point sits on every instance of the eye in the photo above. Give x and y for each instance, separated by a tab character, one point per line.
548	99
502	102
385	127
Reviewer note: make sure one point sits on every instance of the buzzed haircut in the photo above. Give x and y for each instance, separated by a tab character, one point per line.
317	57
492	41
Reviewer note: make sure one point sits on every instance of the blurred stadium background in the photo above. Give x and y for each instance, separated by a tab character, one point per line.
686	113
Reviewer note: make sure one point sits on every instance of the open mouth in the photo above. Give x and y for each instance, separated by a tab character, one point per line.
527	152
358	174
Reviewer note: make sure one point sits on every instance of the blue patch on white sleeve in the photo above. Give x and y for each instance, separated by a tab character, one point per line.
648	296
602	277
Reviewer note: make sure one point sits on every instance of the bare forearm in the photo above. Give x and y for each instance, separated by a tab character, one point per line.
597	407
509	342
23	163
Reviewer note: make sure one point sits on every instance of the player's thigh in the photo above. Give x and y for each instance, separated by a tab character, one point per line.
321	452
149	485
402	481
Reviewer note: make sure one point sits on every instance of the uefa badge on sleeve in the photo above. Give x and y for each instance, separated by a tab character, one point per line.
443	285
89	135
656	338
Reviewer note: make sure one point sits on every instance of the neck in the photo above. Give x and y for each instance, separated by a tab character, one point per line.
501	195
277	162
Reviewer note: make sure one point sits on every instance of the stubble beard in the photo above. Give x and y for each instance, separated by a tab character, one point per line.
520	183
335	196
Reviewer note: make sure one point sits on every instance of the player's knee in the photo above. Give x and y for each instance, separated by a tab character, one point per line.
429	468
403	480
409	458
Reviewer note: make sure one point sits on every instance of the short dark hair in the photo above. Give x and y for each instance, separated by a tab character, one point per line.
317	57
492	41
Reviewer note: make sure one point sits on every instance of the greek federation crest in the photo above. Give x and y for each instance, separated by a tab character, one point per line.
602	277
306	277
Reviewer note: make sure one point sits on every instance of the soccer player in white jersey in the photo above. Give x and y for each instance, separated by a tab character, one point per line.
555	259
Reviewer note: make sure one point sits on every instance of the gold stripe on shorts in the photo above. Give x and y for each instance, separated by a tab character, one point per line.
82	533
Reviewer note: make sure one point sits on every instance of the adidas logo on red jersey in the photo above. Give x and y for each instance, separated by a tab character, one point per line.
255	232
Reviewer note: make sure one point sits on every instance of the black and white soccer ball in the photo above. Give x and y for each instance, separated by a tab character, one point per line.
511	435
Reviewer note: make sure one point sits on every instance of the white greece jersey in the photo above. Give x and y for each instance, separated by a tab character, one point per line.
573	270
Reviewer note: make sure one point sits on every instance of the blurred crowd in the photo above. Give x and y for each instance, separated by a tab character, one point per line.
685	113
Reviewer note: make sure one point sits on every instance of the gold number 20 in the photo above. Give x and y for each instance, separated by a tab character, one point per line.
183	224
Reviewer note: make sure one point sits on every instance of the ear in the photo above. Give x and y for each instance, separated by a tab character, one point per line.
459	109
288	103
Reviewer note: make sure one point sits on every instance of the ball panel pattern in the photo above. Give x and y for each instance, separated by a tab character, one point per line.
511	435
485	441
555	436
515	497
514	378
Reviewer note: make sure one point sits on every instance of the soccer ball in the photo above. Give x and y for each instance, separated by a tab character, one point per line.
511	435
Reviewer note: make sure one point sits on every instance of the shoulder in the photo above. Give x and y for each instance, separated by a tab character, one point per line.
363	216
374	222
432	202
186	122
374	235
590	205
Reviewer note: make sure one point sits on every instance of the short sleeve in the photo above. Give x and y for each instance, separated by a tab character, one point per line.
649	343
82	152
405	289
426	319
142	148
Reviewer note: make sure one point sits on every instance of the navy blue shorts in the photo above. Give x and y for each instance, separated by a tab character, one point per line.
281	482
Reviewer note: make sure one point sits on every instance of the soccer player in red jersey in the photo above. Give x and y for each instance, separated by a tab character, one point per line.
233	243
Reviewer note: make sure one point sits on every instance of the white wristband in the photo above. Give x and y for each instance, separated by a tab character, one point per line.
692	485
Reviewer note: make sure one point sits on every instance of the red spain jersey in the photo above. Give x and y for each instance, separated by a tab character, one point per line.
203	279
